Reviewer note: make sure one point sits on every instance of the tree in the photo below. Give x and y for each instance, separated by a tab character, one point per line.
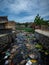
26	24
38	20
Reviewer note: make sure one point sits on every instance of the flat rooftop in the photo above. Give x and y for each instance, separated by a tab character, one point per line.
44	32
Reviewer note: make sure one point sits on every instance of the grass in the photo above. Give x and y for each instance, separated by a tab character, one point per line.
26	29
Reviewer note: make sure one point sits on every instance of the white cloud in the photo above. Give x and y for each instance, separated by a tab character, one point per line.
23	5
24	19
19	5
46	14
32	7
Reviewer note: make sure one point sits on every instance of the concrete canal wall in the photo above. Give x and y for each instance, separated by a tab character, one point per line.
4	38
43	37
6	41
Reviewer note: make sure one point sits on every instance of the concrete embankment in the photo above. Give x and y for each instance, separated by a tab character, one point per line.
6	40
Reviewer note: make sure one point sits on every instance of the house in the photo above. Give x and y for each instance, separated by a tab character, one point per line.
34	26
45	27
6	26
10	25
3	18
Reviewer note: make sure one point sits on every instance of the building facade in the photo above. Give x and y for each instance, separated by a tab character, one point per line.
10	25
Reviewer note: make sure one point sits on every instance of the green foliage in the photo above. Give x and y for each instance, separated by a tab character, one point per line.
39	21
27	29
26	24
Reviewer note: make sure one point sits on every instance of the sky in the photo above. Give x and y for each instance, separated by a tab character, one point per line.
24	10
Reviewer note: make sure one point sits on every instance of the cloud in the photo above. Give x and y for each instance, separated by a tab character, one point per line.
24	19
24	10
23	5
27	19
18	6
44	8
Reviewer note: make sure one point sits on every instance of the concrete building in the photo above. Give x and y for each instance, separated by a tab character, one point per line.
10	25
6	26
45	27
3	18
